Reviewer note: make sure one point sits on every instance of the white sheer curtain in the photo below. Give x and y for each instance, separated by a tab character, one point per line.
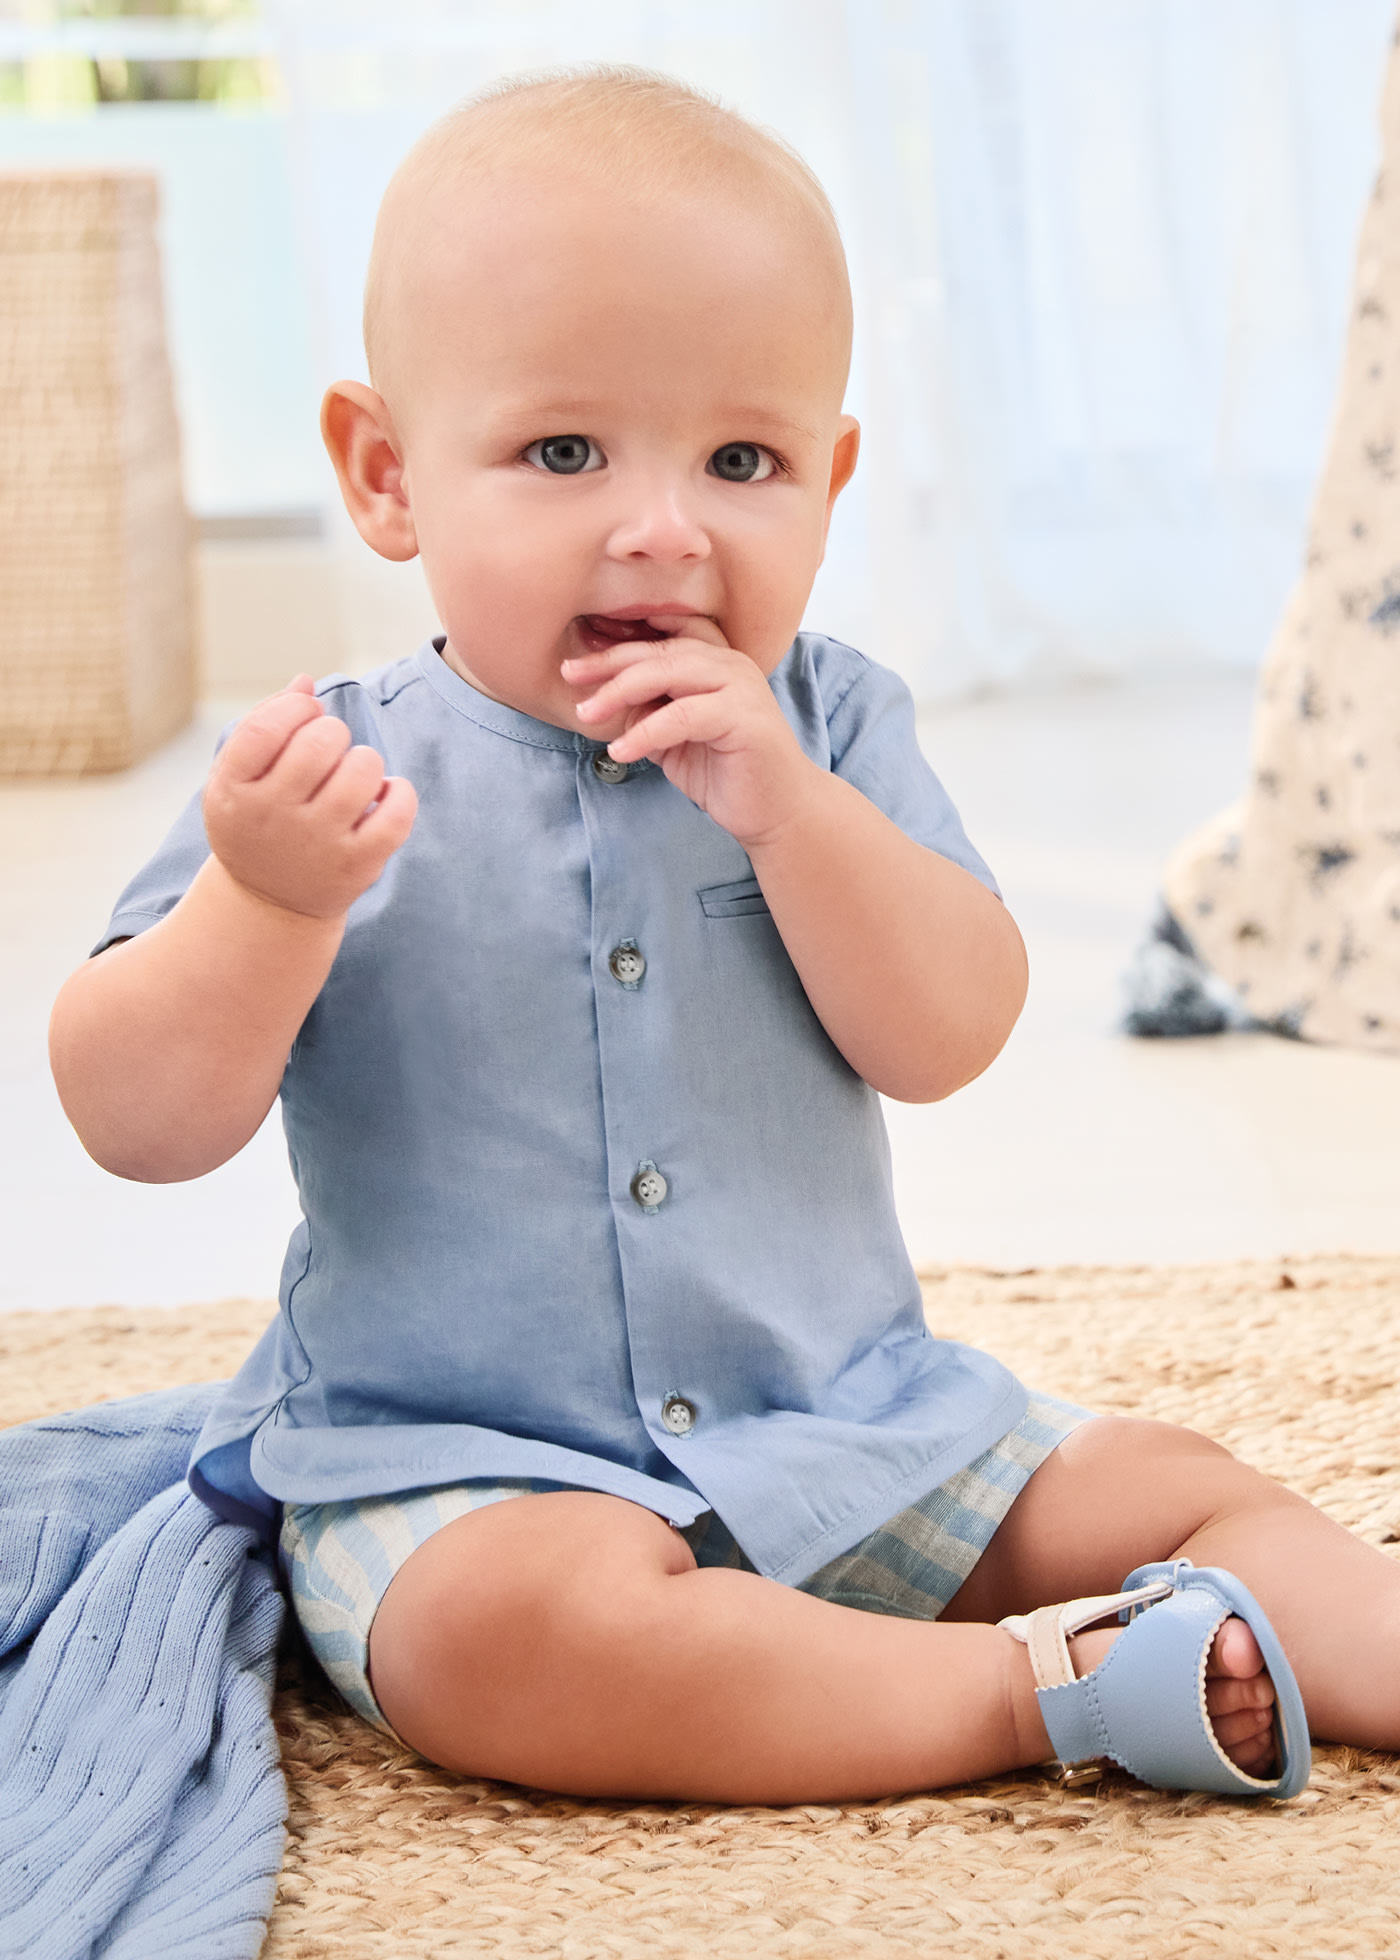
1101	251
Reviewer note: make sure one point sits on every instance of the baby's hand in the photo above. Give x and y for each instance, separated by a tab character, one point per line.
296	815
706	714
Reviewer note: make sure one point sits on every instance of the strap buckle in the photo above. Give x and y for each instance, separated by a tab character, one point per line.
1079	1776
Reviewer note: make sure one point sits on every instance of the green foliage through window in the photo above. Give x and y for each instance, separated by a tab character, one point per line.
58	76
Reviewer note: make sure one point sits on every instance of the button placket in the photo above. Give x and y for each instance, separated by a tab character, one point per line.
626	1034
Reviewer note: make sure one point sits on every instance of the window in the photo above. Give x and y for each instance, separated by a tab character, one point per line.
65	55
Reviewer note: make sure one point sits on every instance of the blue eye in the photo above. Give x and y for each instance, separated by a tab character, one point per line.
741	462
565	455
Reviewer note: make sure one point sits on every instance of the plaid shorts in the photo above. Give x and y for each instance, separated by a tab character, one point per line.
341	1557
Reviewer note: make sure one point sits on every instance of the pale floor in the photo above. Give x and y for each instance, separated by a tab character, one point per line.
1077	1146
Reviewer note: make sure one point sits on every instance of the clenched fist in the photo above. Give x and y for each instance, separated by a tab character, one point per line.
298	816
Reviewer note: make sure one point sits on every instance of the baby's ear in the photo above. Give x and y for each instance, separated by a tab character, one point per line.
843	462
843	457
359	434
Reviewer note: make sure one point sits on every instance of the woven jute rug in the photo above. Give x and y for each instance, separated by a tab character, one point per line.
1294	1367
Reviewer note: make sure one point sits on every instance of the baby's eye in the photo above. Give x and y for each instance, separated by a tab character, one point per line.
741	462
565	455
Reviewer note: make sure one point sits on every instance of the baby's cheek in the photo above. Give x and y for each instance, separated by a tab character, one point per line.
766	601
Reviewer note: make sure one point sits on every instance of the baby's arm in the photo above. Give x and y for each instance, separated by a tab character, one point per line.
915	969
168	1049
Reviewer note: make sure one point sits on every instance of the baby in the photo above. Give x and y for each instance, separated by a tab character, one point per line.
610	1449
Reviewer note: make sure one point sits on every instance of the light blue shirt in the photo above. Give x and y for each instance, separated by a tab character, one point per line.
589	1194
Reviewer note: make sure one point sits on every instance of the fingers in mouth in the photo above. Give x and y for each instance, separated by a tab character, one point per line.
598	632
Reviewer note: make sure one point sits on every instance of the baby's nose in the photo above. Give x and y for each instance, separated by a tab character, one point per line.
659	524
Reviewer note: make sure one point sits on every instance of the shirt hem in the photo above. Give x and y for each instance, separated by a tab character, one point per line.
895	1497
282	1483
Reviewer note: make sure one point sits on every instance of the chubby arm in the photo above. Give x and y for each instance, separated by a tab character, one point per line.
168	1049
914	968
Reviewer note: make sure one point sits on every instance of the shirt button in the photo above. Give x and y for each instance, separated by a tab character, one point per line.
626	965
649	1187
677	1415
608	771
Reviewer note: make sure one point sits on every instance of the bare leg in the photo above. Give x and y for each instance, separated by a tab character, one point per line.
568	1640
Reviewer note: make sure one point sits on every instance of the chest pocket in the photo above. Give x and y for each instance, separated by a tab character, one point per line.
733	901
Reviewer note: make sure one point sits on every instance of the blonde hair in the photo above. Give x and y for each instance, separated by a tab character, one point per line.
633	126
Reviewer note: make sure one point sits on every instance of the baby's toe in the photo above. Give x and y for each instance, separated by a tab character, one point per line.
1258	1758
1240	1700
1228	1694
1246	1725
1235	1653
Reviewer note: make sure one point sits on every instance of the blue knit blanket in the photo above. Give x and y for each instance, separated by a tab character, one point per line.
141	1796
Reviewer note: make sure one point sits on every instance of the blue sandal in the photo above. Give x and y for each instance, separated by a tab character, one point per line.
1144	1705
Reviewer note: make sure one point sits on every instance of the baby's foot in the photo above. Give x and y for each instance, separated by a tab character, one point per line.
1239	1694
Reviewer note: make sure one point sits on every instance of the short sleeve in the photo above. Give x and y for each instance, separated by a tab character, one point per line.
160	885
875	747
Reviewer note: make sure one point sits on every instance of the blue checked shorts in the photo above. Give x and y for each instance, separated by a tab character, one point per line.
341	1557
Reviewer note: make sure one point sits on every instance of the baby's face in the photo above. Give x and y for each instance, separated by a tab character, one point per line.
612	415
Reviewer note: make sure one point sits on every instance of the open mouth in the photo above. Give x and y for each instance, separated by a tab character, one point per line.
599	631
608	631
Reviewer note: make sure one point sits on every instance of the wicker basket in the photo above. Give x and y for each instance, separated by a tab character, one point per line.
97	653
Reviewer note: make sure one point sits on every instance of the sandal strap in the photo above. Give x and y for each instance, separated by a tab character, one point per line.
1046	1634
1047	1631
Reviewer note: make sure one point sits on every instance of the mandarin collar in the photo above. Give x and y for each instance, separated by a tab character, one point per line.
495	716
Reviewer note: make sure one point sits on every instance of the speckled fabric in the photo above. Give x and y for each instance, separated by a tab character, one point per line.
1292	895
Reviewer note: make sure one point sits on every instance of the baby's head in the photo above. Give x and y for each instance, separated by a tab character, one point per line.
608	327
